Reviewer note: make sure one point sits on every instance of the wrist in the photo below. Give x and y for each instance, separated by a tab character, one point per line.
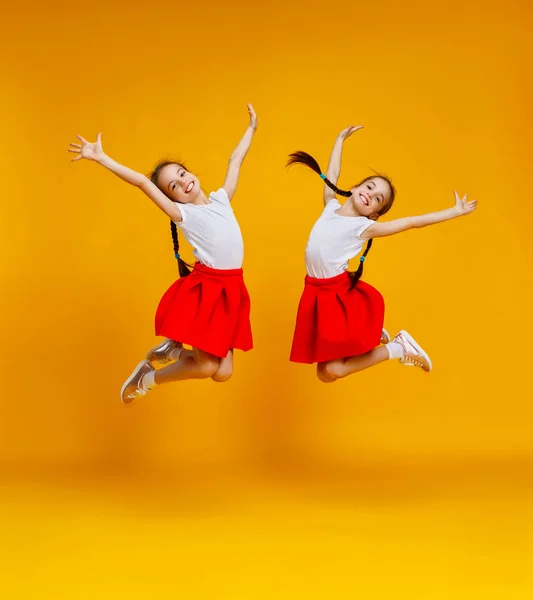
456	212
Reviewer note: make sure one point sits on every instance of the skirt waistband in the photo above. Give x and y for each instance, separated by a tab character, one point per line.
326	281
199	267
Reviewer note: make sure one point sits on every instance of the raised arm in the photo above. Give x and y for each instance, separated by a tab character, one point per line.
334	166
238	155
94	151
462	207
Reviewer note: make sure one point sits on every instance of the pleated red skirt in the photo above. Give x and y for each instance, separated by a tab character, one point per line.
336	322
208	309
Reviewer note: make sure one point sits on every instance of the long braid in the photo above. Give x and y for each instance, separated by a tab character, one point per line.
356	276
306	159
183	267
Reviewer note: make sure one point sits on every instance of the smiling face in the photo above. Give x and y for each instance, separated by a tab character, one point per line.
372	197
178	184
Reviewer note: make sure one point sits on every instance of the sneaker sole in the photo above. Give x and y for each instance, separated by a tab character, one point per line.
419	348
385	334
126	383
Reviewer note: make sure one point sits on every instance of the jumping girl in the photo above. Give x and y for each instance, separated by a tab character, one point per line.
207	308
340	318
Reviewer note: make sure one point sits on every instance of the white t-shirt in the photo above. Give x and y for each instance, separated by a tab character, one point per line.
213	232
333	241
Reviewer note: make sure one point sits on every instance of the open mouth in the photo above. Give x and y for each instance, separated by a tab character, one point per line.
364	199
189	187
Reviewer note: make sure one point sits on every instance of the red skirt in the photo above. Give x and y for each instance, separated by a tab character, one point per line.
208	309
336	322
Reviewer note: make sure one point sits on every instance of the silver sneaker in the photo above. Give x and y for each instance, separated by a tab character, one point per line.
132	387
385	337
413	354
161	353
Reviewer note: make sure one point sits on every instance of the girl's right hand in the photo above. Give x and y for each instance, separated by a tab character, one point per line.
88	150
346	133
462	206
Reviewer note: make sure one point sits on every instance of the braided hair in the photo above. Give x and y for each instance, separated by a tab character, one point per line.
306	159
183	267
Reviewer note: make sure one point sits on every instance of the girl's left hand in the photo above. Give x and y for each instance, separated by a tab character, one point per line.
463	206
253	117
346	133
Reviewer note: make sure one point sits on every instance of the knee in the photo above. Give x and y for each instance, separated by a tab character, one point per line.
325	373
221	376
206	368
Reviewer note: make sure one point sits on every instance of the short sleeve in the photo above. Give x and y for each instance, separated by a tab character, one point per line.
183	210
220	196
332	206
362	225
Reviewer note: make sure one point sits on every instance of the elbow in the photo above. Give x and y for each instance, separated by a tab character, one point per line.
142	182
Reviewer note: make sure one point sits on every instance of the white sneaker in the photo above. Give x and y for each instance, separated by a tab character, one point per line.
385	337
132	388
161	353
413	353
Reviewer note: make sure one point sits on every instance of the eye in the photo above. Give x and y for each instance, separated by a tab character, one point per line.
182	174
174	186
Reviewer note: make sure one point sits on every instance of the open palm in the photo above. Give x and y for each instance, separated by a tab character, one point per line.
88	150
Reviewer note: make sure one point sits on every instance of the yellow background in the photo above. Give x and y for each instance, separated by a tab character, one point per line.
387	484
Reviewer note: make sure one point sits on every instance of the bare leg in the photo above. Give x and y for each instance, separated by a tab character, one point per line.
225	368
337	369
191	365
184	353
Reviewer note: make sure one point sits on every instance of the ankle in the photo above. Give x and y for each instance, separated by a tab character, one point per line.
395	350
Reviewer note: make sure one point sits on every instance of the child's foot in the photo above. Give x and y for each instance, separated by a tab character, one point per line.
133	387
167	351
413	354
385	337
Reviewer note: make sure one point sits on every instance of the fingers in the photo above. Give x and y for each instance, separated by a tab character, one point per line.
84	141
76	150
75	145
99	138
77	158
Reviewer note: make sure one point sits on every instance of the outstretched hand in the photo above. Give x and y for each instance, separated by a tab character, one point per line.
463	206
88	150
346	133
253	117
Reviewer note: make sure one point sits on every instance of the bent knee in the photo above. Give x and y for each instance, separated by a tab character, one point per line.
325	372
221	376
206	368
